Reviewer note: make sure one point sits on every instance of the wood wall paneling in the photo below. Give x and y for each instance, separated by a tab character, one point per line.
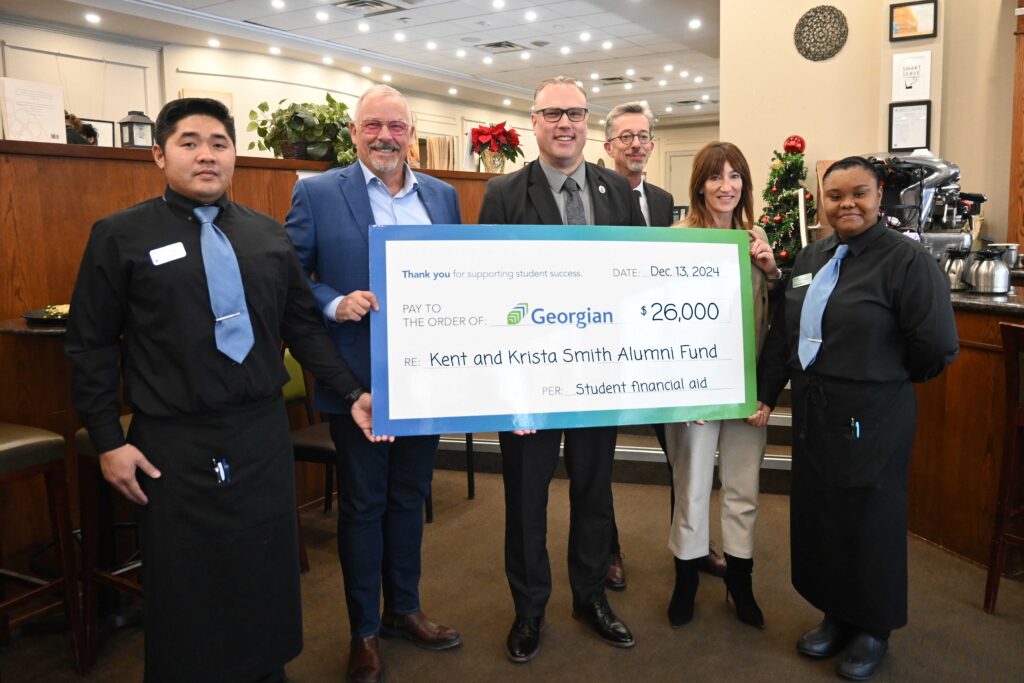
1015	218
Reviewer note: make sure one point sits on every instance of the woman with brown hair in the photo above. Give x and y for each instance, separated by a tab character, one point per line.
721	197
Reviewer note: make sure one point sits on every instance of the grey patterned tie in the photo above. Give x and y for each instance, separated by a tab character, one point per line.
574	211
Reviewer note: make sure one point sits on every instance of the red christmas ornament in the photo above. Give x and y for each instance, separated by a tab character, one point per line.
775	190
794	144
778	219
764	219
783	254
807	196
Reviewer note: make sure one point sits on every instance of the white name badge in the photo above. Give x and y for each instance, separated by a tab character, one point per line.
172	252
802	280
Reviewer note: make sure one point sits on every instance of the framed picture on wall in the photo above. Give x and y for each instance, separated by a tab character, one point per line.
910	125
104	131
911	76
913	20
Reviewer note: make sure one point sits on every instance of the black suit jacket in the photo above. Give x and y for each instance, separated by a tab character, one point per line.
659	204
524	198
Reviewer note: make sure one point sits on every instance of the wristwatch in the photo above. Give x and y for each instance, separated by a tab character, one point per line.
353	396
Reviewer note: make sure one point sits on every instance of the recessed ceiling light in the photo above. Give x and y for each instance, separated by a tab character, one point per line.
663	82
431	45
363	27
684	74
327	60
386	78
668	109
584	37
601	122
607	45
399	37
507	102
92	18
488	60
698	79
694	24
531	16
630	72
697	107
453	91
366	69
594	76
213	42
277	4
275	50
705	97
628	86
564	50
524	56
643	102
595	89
460	53
498	4
322	16
667	68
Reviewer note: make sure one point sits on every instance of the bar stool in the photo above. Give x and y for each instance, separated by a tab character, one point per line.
97	518
1008	505
27	452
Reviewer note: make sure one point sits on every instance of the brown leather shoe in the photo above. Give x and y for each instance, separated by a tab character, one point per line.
616	578
712	563
364	665
419	630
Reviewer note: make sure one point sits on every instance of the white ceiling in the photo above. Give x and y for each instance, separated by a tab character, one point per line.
645	35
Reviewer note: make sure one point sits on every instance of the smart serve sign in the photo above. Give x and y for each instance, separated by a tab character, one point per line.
510	327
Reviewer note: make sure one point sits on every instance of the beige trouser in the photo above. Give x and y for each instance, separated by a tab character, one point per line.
691	451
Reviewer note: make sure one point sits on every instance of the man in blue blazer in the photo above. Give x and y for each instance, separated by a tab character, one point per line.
382	486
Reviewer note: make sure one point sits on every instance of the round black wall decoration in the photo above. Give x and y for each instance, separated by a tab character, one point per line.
821	33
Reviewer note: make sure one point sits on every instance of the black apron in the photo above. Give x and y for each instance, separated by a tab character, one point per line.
219	560
848	507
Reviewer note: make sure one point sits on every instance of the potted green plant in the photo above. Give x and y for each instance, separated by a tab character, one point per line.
303	130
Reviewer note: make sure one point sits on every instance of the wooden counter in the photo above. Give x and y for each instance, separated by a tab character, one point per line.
958	449
50	196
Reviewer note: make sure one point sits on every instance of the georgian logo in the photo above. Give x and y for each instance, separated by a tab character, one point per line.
516	315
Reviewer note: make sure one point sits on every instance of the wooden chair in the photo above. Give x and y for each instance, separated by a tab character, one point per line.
27	452
1008	505
96	510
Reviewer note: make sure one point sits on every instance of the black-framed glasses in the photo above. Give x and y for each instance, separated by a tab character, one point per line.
373	127
627	138
554	114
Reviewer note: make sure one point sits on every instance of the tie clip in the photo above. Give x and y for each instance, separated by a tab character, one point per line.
810	339
226	317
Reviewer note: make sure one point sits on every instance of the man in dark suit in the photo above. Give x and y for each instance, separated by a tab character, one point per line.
629	141
559	188
382	486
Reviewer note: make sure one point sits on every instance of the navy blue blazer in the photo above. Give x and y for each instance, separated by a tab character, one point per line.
329	225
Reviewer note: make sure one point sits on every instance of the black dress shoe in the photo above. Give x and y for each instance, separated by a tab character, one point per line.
524	638
826	639
615	579
862	657
602	619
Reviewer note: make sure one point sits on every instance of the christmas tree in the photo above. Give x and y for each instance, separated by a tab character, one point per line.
781	216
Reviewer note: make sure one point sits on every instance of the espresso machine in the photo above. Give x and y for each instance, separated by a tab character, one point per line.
921	195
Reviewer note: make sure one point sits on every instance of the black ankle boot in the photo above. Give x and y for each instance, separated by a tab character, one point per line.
680	608
738	583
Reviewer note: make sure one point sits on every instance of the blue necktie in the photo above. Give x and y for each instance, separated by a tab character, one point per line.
818	293
232	327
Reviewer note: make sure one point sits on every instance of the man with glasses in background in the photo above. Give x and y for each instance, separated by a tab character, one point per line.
559	188
629	141
382	486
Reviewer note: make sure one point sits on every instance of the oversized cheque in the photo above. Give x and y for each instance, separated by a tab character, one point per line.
487	328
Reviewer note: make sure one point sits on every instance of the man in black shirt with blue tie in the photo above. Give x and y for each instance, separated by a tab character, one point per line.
189	295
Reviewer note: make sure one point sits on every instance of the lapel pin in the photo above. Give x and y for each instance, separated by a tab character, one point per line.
600	188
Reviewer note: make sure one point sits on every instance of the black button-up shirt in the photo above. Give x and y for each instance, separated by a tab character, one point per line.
155	323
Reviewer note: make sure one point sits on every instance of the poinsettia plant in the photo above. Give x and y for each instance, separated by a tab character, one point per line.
497	138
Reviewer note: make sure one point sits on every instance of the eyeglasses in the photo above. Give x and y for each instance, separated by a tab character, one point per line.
396	128
554	114
627	138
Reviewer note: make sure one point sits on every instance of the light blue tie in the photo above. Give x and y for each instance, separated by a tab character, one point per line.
232	327
818	293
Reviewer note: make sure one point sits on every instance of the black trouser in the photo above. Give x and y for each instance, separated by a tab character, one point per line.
528	464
